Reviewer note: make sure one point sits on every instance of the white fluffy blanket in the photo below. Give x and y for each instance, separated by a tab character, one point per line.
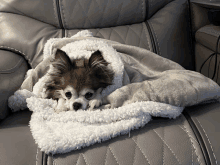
67	131
145	85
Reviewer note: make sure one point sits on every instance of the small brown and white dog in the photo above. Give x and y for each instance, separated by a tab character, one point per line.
78	84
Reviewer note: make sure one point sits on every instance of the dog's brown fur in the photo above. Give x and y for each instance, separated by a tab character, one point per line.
92	74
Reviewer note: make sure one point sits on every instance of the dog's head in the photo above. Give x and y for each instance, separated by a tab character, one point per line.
78	81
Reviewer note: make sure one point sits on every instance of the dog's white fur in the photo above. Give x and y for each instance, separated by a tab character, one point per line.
67	104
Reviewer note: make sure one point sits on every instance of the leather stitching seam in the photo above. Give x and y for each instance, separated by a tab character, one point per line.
167	146
209	31
110	33
84	158
62	10
106	156
48	160
163	145
53	160
208	141
98	32
148	42
78	159
141	151
37	156
135	153
189	135
118	34
126	35
18	63
156	36
55	12
210	35
137	35
113	154
202	45
13	49
192	145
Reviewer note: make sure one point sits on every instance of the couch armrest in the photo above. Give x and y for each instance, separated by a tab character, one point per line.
13	68
204	120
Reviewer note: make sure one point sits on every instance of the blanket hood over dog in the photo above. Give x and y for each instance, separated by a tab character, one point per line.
77	49
145	85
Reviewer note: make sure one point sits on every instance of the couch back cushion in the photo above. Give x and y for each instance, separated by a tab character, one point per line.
159	26
79	13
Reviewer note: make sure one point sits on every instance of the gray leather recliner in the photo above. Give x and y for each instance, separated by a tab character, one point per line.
165	27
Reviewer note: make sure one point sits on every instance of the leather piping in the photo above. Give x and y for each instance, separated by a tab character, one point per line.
192	38
44	155
59	17
198	137
44	159
151	37
15	51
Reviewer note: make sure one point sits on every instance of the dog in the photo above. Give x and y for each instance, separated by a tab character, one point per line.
78	84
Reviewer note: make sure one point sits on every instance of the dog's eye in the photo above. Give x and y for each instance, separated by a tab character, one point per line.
68	95
88	95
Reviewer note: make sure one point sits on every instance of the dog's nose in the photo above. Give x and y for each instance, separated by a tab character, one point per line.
77	106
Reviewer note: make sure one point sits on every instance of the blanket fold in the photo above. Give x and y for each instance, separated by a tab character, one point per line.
145	85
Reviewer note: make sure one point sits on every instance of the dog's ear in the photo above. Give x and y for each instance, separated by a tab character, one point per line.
62	56
61	61
97	59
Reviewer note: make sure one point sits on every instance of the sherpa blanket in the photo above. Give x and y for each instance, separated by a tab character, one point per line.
145	85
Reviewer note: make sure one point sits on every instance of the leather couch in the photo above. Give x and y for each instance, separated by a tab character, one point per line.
166	27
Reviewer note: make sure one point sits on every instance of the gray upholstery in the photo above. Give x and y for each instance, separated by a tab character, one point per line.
160	142
12	71
206	120
161	26
17	144
206	36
